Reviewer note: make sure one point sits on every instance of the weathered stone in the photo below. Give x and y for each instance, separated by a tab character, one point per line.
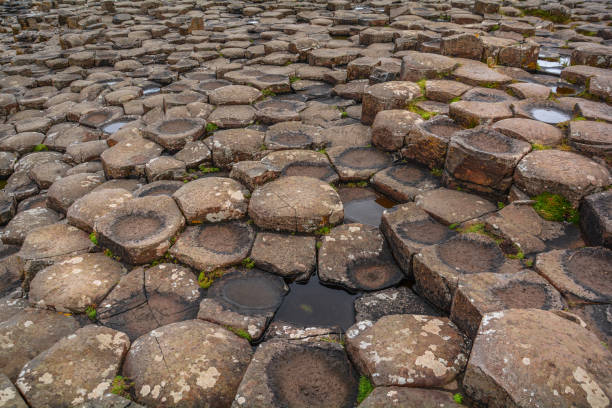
173	134
392	301
403	182
452	206
289	256
596	219
198	363
357	163
235	145
512	364
529	130
25	222
390	127
357	257
140	230
408	350
427	142
420	65
301	204
85	211
385	96
384	397
212	199
128	157
96	353
10	395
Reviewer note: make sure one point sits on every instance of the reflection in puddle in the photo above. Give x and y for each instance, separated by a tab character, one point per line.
367	211
314	304
548	115
150	90
114	126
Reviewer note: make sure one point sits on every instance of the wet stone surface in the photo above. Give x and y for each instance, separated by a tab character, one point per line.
243	188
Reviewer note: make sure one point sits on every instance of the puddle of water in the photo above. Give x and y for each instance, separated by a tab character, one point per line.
367	211
114	126
150	90
314	304
548	115
552	67
253	22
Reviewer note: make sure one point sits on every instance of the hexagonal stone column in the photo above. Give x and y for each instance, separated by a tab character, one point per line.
513	365
483	293
187	364
408	350
212	199
140	230
128	157
96	353
438	268
357	257
427	142
286	373
301	204
596	219
483	160
385	96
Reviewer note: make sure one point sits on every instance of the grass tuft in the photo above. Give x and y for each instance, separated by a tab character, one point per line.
207	278
555	207
365	388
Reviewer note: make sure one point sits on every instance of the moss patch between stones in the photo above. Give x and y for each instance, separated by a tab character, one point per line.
554	207
365	388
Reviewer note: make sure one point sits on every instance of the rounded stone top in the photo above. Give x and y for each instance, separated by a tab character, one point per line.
296	203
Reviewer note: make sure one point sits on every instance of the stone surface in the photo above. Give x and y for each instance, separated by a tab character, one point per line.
383	397
96	354
408	350
401	300
187	364
512	364
289	256
453	207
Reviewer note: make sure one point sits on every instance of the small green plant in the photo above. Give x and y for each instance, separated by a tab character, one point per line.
422	85
120	387
365	388
458	398
322	151
555	207
436	172
293	79
455	99
205	169
518	255
91	313
319	244
93	238
577	118
528	263
491	85
211	127
500	205
344	114
324	230
40	148
267	92
240	332
426	115
358	184
453	226
537	146
332	340
495	27
248	263
478	228
207	278
109	253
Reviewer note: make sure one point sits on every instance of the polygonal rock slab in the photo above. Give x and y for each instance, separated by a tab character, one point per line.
232	116
427	142
289	256
212	199
10	396
390	127
596	219
211	246
403	182
146	299
234	95
85	211
513	365
88	360
358	163
421	65
408	350
385	397
173	134
235	145
243	300
568	174
295	203
160	187
483	293
385	96
76	283
25	222
187	364
408	229
46	245
372	306
67	190
302	163
438	268
292	374
128	157
452	206
29	333
591	137
140	230
356	256
581	275
531	131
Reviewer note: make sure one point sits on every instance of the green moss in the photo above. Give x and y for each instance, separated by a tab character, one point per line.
426	115
495	27
205	169
455	99
365	388
3	183
537	146
436	172
91	313
211	127
239	332
545	15
319	244
492	85
453	226
248	263
109	253
519	255
120	386
458	398
577	118
207	278
474	228
344	114
555	207
500	205
331	340
267	92
322	151
40	148
422	84
324	230
93	238
293	79
357	184
528	263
